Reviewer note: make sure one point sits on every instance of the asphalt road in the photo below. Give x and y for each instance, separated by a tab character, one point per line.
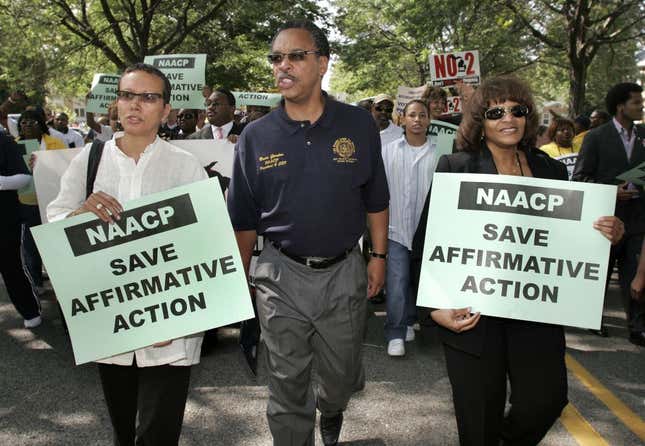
46	400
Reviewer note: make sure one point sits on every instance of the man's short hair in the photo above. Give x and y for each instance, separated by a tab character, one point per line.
155	72
317	34
619	94
230	97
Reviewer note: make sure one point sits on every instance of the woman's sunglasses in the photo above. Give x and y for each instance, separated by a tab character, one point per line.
495	113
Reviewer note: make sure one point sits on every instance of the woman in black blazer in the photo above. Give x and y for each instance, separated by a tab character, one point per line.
497	136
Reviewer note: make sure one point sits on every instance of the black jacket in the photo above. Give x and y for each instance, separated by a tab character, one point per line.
602	158
541	165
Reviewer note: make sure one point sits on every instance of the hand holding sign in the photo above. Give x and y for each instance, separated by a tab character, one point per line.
624	193
102	205
611	228
456	320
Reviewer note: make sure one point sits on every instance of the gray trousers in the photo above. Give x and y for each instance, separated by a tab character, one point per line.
310	317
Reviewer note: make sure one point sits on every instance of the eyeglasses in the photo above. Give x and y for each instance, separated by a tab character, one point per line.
28	122
209	103
294	56
495	113
186	116
380	109
148	98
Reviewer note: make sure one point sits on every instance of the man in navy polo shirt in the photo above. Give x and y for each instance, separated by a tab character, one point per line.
305	177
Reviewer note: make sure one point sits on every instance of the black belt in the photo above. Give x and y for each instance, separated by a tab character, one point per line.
313	262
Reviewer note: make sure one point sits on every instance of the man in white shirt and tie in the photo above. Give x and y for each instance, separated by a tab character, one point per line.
220	110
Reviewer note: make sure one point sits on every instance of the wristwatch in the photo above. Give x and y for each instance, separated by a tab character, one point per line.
378	255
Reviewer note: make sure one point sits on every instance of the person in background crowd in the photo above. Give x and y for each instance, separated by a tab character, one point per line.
581	124
238	115
366	104
482	352
104	132
542	136
71	137
31	125
382	109
187	122
310	279
16	103
598	118
409	163
145	390
560	132
170	129
608	151
254	112
13	176
220	109
437	100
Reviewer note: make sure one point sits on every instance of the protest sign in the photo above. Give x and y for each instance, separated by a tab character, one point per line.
407	94
28	193
445	134
451	68
634	176
159	273
102	93
187	75
453	105
261	99
215	155
570	162
517	247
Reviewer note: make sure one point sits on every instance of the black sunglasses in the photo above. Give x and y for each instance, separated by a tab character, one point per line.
495	113
384	109
294	56
148	98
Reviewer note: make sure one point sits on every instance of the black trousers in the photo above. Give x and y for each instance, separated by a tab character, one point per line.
158	394
531	355
626	255
20	292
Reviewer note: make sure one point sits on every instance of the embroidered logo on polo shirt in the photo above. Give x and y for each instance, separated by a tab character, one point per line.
344	149
272	160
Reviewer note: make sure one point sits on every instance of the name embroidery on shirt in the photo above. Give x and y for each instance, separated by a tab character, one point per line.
272	160
345	149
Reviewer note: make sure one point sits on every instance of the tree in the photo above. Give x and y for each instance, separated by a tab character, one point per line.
580	28
387	43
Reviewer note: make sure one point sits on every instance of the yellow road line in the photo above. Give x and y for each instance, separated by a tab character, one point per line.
580	429
624	413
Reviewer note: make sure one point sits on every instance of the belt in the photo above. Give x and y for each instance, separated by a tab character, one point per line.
313	262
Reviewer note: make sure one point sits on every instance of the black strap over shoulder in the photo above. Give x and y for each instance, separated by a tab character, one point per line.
93	165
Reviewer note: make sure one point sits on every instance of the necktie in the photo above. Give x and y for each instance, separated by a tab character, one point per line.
220	135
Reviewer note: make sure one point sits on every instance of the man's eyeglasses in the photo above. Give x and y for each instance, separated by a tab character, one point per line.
387	110
186	116
28	122
209	103
148	98
495	113
294	56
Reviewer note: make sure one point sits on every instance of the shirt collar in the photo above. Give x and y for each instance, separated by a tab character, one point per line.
226	129
120	134
620	128
326	119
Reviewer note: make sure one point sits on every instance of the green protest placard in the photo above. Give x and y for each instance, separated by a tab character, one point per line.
168	268
445	133
262	99
634	176
517	247
30	146
103	92
187	76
